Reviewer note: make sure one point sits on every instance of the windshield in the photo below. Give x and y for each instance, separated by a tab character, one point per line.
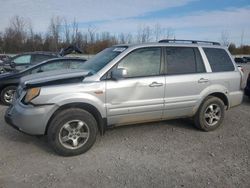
101	59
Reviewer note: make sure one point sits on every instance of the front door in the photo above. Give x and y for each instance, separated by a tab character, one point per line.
138	97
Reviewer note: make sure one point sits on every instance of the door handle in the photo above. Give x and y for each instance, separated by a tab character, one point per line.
203	80
155	84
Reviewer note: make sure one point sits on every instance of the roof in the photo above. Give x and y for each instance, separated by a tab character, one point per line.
40	52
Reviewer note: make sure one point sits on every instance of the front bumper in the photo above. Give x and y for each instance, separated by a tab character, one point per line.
29	119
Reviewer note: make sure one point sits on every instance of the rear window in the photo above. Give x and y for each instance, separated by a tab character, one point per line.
219	60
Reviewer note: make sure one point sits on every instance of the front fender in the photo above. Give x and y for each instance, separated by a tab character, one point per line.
64	99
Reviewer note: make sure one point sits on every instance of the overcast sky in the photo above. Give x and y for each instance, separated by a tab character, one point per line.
189	19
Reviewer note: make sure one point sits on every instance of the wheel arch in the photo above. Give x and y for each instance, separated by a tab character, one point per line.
101	122
221	96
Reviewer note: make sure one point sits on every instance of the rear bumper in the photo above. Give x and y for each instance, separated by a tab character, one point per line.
235	98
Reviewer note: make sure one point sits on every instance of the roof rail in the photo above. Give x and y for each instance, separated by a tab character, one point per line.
188	41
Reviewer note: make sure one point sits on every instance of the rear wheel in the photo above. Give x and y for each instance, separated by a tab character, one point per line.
72	132
210	114
7	95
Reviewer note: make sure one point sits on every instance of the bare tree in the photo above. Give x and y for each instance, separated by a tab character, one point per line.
169	33
125	38
74	31
144	33
225	38
66	31
242	37
54	32
91	34
15	35
158	32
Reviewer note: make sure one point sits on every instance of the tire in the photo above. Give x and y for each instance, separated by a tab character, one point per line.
64	133
210	114
7	95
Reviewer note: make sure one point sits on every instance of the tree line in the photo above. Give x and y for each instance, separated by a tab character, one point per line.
20	36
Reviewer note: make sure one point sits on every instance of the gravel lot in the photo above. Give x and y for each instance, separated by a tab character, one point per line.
164	154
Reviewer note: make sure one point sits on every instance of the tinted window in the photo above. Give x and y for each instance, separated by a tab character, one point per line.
76	64
24	59
142	62
101	59
184	60
219	59
41	57
55	65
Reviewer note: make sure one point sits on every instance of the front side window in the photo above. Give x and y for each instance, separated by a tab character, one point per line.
183	60
24	59
219	59
142	62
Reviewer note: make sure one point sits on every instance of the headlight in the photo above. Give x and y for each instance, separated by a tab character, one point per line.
31	94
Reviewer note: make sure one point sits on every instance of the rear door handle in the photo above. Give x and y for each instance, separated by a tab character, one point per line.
155	84
203	80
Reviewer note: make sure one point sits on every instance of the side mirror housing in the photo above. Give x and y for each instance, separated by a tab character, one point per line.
118	73
12	65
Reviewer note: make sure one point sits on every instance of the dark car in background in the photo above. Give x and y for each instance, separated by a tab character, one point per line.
247	89
24	60
240	60
4	57
9	81
247	58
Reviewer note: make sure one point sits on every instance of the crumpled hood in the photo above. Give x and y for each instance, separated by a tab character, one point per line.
53	78
7	75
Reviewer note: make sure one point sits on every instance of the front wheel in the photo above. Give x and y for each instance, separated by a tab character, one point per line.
7	95
210	114
72	132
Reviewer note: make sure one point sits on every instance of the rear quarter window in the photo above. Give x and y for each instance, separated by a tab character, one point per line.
219	60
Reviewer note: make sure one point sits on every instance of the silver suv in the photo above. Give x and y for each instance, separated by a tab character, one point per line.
128	84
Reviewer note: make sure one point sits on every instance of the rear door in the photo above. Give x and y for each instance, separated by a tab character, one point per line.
186	78
138	97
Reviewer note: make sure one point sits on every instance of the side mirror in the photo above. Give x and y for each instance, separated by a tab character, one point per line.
119	73
12	65
39	71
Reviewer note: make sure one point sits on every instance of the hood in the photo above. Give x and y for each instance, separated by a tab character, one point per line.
7	75
53	78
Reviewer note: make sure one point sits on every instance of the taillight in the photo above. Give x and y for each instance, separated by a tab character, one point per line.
241	68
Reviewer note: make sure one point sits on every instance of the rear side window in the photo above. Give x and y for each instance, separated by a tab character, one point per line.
219	59
76	64
184	60
40	57
51	66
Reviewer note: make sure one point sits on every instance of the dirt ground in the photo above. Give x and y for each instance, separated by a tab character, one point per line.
164	154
